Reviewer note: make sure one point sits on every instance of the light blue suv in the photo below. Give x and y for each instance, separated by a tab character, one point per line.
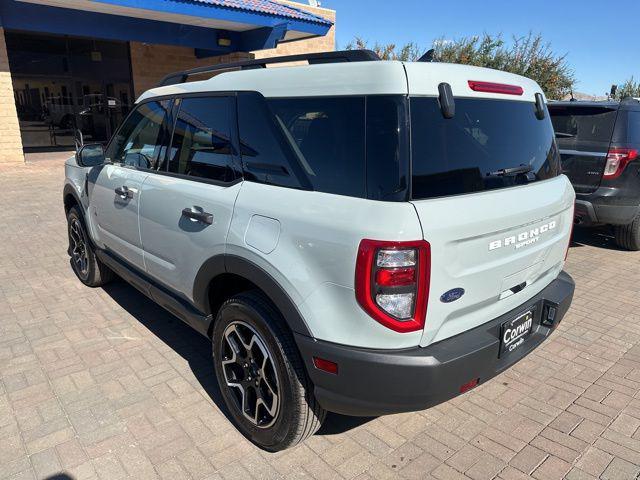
355	236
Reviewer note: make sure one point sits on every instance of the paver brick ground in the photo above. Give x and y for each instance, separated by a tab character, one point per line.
102	383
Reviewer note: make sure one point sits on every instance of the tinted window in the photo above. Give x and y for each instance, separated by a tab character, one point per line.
201	145
387	148
634	127
267	155
141	140
627	130
327	136
583	128
467	153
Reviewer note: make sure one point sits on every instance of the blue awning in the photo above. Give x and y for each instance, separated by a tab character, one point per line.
211	26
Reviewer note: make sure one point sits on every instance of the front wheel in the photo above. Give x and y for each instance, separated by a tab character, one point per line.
261	375
89	270
628	236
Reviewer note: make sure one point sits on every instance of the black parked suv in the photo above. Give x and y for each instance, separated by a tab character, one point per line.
600	144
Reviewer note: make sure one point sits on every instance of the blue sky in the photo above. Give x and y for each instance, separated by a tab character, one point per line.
601	39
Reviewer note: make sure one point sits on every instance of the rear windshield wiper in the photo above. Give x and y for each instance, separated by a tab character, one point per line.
505	172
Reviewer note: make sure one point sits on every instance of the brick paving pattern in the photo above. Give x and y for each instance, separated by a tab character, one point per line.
101	383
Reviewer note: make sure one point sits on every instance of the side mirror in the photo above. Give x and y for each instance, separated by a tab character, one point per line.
90	155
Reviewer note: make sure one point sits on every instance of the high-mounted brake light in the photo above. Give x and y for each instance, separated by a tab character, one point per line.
392	282
490	87
617	161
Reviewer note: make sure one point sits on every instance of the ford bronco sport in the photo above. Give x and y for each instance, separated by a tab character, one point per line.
599	145
353	235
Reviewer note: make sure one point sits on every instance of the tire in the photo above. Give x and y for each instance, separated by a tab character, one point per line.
628	236
249	319
89	270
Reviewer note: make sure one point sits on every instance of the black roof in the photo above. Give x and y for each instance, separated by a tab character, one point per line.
628	102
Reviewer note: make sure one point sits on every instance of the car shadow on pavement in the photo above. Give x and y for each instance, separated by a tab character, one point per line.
196	349
181	338
601	237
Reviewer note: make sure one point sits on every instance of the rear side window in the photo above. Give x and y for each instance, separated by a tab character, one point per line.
387	148
327	136
583	128
627	131
201	145
142	138
354	146
267	156
488	144
634	127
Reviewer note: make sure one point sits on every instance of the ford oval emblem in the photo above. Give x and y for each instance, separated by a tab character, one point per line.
452	295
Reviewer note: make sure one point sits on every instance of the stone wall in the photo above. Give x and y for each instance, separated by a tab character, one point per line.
10	141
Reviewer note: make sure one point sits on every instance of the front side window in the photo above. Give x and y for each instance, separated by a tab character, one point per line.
488	144
141	141
201	145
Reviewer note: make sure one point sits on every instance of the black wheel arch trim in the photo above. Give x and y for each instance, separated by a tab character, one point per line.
69	190
221	264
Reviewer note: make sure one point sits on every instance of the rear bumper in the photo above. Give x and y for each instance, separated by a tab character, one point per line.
376	382
606	205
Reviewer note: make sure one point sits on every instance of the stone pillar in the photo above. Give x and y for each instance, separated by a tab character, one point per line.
10	141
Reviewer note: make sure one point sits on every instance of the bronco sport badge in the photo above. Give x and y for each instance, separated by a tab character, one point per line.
523	239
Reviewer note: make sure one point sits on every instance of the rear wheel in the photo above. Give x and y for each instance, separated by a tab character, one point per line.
628	236
261	375
91	271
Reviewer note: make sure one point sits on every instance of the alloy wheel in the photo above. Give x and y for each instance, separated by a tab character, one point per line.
250	374
78	247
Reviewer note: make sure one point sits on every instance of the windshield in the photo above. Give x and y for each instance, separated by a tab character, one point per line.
488	144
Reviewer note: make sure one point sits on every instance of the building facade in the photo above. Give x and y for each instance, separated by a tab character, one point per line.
75	67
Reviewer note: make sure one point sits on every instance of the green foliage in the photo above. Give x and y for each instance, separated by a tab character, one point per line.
630	88
529	56
407	53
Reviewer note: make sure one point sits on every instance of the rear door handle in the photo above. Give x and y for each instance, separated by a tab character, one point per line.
198	215
124	192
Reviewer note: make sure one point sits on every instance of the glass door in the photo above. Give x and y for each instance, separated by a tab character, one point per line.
65	85
46	111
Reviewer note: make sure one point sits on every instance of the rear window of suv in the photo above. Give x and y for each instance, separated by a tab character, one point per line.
583	128
474	150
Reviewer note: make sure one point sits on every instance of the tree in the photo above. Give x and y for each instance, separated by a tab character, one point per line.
529	56
410	52
630	88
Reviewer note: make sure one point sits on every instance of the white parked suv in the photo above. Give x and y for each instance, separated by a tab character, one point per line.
354	235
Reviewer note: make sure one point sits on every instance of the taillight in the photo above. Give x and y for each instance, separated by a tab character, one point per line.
617	161
491	87
392	282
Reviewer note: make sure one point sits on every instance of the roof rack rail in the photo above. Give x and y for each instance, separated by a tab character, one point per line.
312	58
